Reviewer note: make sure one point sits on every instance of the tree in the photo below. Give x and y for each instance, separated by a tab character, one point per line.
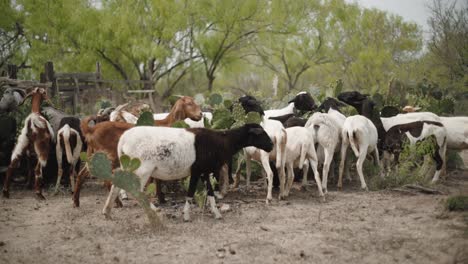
448	44
370	46
219	29
12	36
295	42
148	41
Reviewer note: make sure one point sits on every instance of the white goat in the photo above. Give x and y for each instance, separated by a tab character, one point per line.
359	132
327	133
66	137
300	151
457	131
277	134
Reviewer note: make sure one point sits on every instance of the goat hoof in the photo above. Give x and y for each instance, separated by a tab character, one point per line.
322	199
6	194
365	188
76	204
187	219
40	196
218	216
107	216
118	204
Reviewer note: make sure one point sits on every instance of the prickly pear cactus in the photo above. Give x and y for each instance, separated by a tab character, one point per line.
125	179
145	119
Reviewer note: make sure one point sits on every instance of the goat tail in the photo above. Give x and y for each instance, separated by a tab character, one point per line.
281	148
304	148
85	128
353	138
65	131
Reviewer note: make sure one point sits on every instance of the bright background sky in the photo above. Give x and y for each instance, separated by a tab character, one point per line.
411	10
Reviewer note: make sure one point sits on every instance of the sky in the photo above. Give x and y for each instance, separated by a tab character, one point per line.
411	10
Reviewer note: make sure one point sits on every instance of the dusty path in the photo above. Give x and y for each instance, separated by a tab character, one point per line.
351	227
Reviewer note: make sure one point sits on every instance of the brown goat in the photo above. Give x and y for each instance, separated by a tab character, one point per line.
104	137
36	137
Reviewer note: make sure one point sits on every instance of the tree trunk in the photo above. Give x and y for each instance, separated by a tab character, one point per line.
211	79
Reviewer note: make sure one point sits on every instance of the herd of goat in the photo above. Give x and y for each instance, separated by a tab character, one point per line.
280	143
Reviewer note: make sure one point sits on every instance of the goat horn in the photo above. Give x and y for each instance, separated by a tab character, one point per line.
21	91
25	97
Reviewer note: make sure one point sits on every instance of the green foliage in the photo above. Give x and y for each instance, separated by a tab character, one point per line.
129	164
151	190
84	156
101	167
457	203
222	119
454	160
415	166
103	103
145	119
180	124
215	99
200	191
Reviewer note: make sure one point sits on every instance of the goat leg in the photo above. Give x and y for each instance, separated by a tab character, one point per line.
6	182
38	181
159	192
79	181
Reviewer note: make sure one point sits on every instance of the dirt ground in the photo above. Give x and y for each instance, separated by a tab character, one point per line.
352	226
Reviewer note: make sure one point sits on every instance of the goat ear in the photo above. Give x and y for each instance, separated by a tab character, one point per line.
256	131
178	110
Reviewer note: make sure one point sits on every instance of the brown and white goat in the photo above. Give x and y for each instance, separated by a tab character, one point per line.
104	137
36	137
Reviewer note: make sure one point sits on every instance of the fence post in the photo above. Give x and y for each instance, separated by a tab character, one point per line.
49	75
12	71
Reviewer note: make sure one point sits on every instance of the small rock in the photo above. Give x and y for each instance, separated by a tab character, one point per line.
221	253
2	243
116	259
98	202
225	208
302	254
264	228
232	251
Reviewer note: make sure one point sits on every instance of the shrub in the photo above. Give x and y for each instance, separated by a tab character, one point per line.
457	203
415	167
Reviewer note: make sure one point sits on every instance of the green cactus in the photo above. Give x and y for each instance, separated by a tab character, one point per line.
101	167
180	124
145	119
215	99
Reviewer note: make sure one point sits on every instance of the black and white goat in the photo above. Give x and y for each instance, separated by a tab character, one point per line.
175	153
417	131
69	144
302	101
422	125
